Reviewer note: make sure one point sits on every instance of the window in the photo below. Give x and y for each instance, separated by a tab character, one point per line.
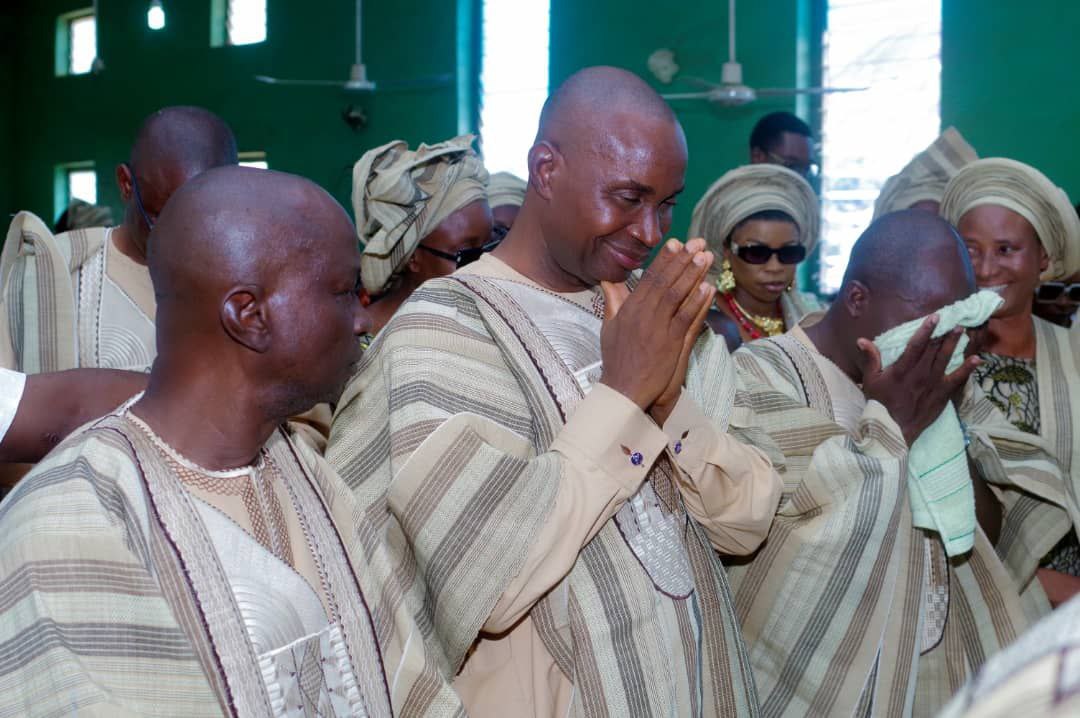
513	80
246	21
254	159
74	180
76	43
894	48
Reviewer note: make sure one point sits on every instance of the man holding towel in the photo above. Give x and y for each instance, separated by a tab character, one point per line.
913	515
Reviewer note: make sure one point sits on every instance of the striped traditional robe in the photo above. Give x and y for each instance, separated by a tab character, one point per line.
847	608
114	601
72	300
465	494
1057	367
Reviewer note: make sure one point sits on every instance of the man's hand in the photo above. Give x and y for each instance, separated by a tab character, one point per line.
647	335
916	389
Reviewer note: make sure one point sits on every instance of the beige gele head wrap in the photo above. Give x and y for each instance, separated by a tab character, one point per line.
925	176
400	196
506	189
81	215
751	189
1028	192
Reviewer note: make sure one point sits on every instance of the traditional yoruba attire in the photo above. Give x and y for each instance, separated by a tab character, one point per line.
80	214
1040	396
400	196
1039	675
72	300
925	176
505	189
849	608
139	583
756	188
568	545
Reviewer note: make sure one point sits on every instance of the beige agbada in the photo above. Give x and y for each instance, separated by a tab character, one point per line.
400	196
750	189
72	300
925	176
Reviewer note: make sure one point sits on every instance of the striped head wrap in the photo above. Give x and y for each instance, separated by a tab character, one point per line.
751	189
1028	192
400	196
506	189
925	176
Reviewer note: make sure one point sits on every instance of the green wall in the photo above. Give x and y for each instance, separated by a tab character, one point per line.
93	117
53	120
1009	78
624	33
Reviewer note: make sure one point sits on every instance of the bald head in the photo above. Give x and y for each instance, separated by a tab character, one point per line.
589	98
259	270
186	137
910	253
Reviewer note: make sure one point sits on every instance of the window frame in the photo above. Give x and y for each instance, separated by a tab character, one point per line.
63	41
62	183
219	25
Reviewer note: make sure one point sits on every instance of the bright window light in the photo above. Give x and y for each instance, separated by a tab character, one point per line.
894	48
155	16
82	44
82	184
513	80
246	21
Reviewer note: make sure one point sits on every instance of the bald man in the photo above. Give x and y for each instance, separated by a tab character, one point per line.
83	298
886	578
565	498
180	555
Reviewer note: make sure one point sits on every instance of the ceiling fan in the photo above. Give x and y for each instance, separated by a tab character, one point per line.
357	79
730	92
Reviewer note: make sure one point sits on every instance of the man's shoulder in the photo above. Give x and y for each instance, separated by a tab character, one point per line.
82	482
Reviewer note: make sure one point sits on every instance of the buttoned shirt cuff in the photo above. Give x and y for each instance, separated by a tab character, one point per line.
691	435
614	434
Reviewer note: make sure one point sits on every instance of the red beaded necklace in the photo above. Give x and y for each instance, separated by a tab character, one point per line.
744	320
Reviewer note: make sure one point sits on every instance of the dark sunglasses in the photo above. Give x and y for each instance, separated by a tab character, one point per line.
1053	291
761	254
465	256
138	198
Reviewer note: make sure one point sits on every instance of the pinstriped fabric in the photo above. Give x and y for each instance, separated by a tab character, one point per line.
1057	364
613	635
831	605
105	607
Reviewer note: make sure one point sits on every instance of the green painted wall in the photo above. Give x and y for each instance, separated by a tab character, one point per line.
54	120
623	33
64	119
1008	81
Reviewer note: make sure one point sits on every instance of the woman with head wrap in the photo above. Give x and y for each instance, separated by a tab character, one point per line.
1020	229
420	215
921	183
506	193
763	220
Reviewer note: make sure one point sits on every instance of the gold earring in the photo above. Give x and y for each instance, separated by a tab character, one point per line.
726	282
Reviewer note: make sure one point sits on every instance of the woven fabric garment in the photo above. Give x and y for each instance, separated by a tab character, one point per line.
506	189
72	300
939	484
841	608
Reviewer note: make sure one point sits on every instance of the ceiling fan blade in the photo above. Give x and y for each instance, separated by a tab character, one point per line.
701	82
686	95
280	81
774	91
418	83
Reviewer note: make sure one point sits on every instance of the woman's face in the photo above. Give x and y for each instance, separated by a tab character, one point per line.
1006	254
764	282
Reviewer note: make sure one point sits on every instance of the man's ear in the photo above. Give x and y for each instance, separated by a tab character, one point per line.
245	315
856	298
123	180
544	161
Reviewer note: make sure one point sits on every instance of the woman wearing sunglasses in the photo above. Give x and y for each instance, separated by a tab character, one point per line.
420	214
763	220
1021	230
